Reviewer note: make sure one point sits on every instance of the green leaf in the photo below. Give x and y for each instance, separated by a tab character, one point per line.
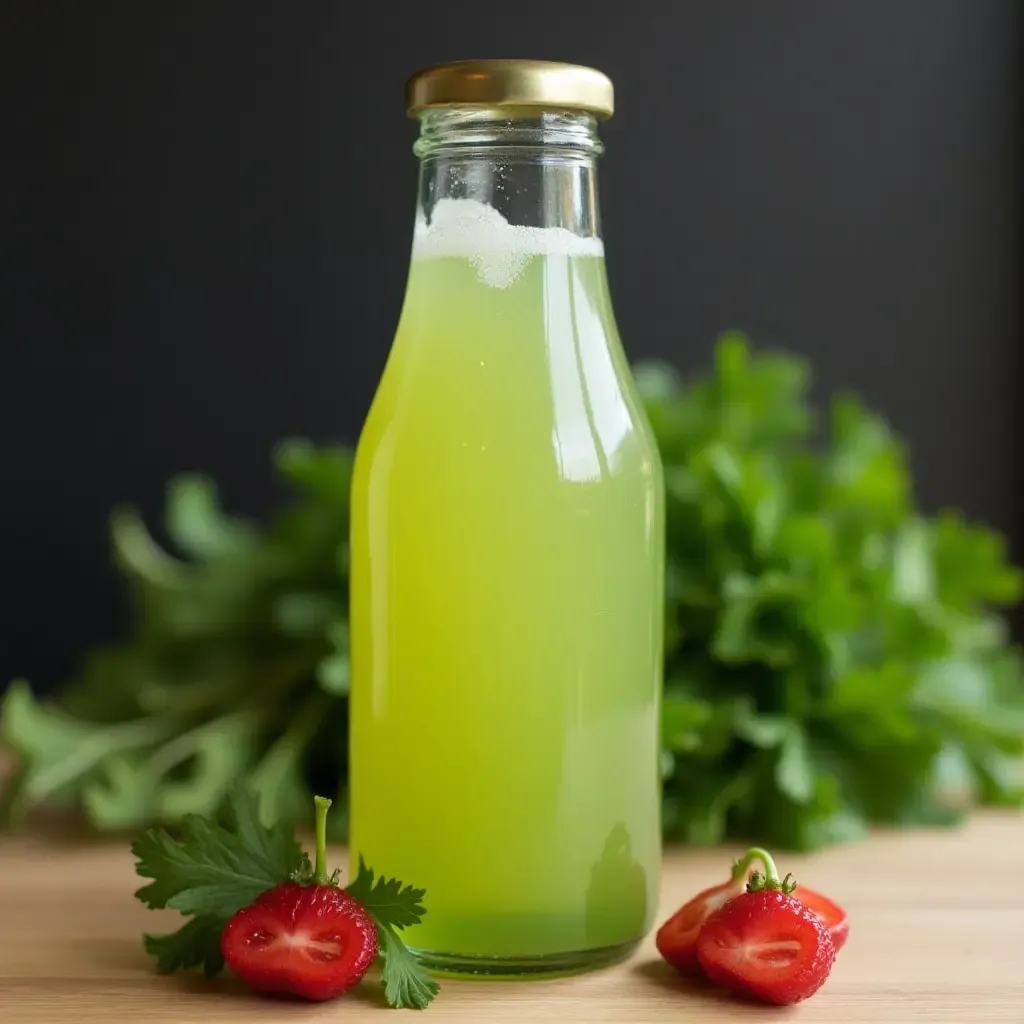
866	466
392	904
824	818
108	687
140	557
752	626
122	795
970	565
794	771
308	614
215	757
961	694
61	754
913	573
682	722
278	779
1000	777
38	729
406	984
978	635
657	381
879	698
760	398
217	866
697	808
325	472
754	493
195	944
762	730
815	831
189	774
197	525
333	674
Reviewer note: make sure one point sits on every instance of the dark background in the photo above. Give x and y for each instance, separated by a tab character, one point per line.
207	211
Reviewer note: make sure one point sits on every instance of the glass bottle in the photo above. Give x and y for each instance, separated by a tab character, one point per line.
508	550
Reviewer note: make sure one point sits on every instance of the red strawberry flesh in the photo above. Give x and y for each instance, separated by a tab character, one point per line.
835	918
313	941
676	939
767	944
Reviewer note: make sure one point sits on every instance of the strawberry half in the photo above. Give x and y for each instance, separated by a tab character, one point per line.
766	943
311	941
676	939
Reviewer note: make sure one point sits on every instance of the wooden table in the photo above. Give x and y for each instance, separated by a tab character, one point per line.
937	934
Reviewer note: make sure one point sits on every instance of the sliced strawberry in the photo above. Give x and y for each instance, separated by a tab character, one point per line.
311	941
677	937
766	944
834	917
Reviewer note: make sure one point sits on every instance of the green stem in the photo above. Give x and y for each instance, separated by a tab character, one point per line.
320	875
769	879
741	866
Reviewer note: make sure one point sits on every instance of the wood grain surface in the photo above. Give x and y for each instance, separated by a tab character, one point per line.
937	934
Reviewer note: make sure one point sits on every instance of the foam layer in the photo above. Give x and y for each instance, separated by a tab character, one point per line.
474	231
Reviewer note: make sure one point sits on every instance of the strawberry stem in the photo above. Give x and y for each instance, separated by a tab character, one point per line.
320	874
769	879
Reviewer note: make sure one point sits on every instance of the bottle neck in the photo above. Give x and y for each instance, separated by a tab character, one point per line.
535	169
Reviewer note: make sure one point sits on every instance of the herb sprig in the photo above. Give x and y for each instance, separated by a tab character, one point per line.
216	866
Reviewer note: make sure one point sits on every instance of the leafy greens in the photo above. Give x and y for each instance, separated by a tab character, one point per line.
834	658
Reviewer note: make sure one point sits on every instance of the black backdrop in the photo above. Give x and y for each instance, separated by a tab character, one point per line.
210	205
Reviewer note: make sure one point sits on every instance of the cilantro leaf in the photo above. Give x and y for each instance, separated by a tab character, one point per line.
195	944
217	866
406	984
392	904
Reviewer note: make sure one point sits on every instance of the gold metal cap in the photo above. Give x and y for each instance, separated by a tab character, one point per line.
511	83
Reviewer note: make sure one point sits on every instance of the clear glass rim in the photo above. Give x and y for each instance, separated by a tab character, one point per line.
526	130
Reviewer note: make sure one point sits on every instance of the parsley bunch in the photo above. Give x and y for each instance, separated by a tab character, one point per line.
834	658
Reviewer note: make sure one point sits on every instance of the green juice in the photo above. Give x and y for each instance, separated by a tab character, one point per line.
506	606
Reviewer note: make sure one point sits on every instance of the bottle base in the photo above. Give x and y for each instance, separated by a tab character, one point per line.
548	965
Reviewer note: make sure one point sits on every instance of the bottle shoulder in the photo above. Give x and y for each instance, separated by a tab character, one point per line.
526	375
